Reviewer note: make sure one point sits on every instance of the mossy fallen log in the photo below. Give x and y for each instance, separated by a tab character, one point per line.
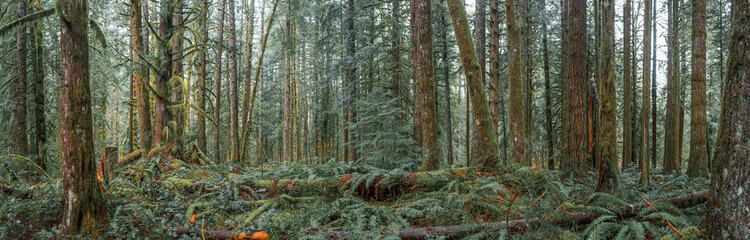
579	218
135	155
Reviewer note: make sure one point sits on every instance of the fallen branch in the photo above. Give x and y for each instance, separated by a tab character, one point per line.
512	225
130	157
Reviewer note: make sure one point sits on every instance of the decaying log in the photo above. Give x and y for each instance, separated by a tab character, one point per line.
130	157
211	234
517	225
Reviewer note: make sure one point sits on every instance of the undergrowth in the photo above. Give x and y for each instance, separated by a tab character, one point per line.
147	200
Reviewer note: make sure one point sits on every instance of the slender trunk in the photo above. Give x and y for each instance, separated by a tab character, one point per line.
608	179
176	87
350	84
39	95
217	105
727	213
698	134
446	77
288	136
486	149
653	88
201	98
83	199
250	23
494	90
21	138
233	83
547	91
141	76
644	163
627	122
480	37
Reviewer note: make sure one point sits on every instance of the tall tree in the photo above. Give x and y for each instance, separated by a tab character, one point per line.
176	86
516	114
486	149
83	199
608	178
22	140
727	213
162	115
217	105
37	63
494	90
233	86
627	122
698	134
250	23
574	135
672	124
201	81
547	90
446	77
645	118
653	87
480	36
289	92
350	83
426	85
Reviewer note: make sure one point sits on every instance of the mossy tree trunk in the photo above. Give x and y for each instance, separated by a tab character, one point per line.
727	213
162	115
84	204
574	124
233	86
446	77
426	85
547	90
644	163
698	127
39	96
486	148
516	114
141	74
250	24
627	122
176	88
607	180
217	104
21	138
672	124
201	81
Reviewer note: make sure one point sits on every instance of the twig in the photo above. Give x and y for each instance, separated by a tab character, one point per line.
662	217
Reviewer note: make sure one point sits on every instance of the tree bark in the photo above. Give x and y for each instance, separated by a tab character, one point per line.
607	180
176	87
233	83
162	115
480	32
217	105
83	200
486	150
627	122
645	118
21	138
672	123
697	166
426	85
39	95
516	114
547	91
250	22
141	75
653	89
727	213
351	83
494	90
575	148
446	77
201	81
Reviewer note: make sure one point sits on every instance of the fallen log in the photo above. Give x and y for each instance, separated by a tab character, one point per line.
225	234
130	157
511	226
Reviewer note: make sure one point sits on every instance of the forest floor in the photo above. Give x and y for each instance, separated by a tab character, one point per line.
160	198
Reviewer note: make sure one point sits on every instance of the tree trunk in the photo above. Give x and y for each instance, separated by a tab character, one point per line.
644	163
426	85
607	180
141	75
480	32
201	98
446	77
162	130
494	90
653	88
250	22
350	84
39	95
516	113
575	149
83	200
486	149
727	213
233	83
21	138
547	91
672	123
217	105
698	136
627	122
176	87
